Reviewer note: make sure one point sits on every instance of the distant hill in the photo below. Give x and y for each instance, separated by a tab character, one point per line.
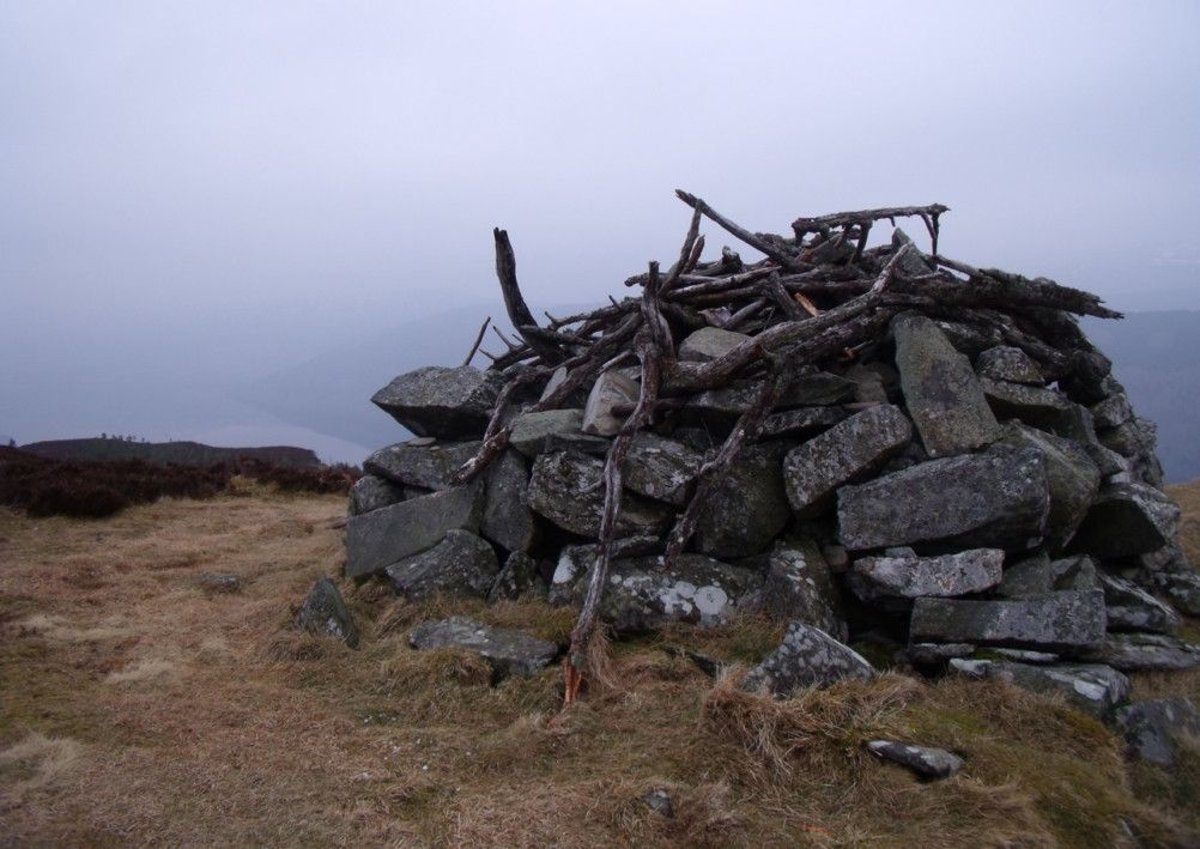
183	453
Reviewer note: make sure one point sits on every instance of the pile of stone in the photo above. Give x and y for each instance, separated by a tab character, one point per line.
870	443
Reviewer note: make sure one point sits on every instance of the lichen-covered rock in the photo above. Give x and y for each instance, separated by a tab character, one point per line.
709	343
1068	621
1145	653
519	576
610	391
748	508
1127	519
961	573
798	586
807	657
420	462
370	493
941	392
1153	728
1039	575
1113	411
461	564
1012	364
447	403
997	499
927	762
324	612
531	431
378	539
1037	406
660	468
802	421
1094	688
568	489
507	519
1072	477
813	471
508	651
1130	608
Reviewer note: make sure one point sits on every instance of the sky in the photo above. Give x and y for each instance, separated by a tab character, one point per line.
196	195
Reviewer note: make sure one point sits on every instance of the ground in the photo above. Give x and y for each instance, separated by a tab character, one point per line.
139	708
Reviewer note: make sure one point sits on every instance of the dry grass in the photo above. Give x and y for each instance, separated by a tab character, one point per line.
136	708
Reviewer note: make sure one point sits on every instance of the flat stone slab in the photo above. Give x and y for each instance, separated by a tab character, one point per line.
1113	411
1127	519
1093	688
660	468
1038	406
510	652
418	462
1152	728
1131	608
370	493
324	612
507	519
1070	621
964	572
799	586
941	392
1039	575
610	391
531	431
807	657
461	564
927	762
709	343
1005	362
378	539
1146	653
802	421
448	403
568	489
1071	475
812	472
997	499
748	509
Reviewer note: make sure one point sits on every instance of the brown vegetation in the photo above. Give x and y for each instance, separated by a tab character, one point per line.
139	708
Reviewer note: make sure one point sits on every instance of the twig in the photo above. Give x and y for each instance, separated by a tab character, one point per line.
478	340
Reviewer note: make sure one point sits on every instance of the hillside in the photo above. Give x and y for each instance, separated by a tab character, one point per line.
182	453
140	704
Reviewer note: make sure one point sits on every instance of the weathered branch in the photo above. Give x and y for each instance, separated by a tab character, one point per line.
514	302
764	246
478	341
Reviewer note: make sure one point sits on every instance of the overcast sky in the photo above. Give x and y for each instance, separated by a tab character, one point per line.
197	193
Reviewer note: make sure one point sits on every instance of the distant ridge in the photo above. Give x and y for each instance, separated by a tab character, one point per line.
182	453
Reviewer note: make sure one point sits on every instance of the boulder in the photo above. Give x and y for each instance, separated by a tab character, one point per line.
941	391
461	564
929	763
507	519
508	651
448	403
1037	406
801	422
813	471
1145	653
370	493
807	657
970	571
1011	364
1130	608
1072	477
1127	519
610	391
1067	621
1182	588
1153	728
660	468
519	576
709	343
324	612
420	462
377	539
1113	411
1093	688
748	508
998	499
1039	575
798	586
568	489
531	431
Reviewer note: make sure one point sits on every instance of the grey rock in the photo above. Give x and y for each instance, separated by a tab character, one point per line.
377	539
448	403
1039	575
421	463
1037	406
1093	688
1146	653
709	343
215	582
611	390
1153	727
926	761
802	421
1130	608
936	654
1109	462
1012	364
970	571
998	499
814	388
798	586
507	519
1135	437
461	564
370	493
1127	519
1071	475
813	471
520	575
807	657
659	800
642	594
913	263
869	384
508	651
1182	588
941	391
568	489
970	339
748	508
1067	621
577	443
531	430
324	612
1113	411
660	468
1026	655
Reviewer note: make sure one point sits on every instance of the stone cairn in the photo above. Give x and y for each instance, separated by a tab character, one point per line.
869	443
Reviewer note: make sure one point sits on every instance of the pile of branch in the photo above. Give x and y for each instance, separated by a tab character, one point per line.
817	297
